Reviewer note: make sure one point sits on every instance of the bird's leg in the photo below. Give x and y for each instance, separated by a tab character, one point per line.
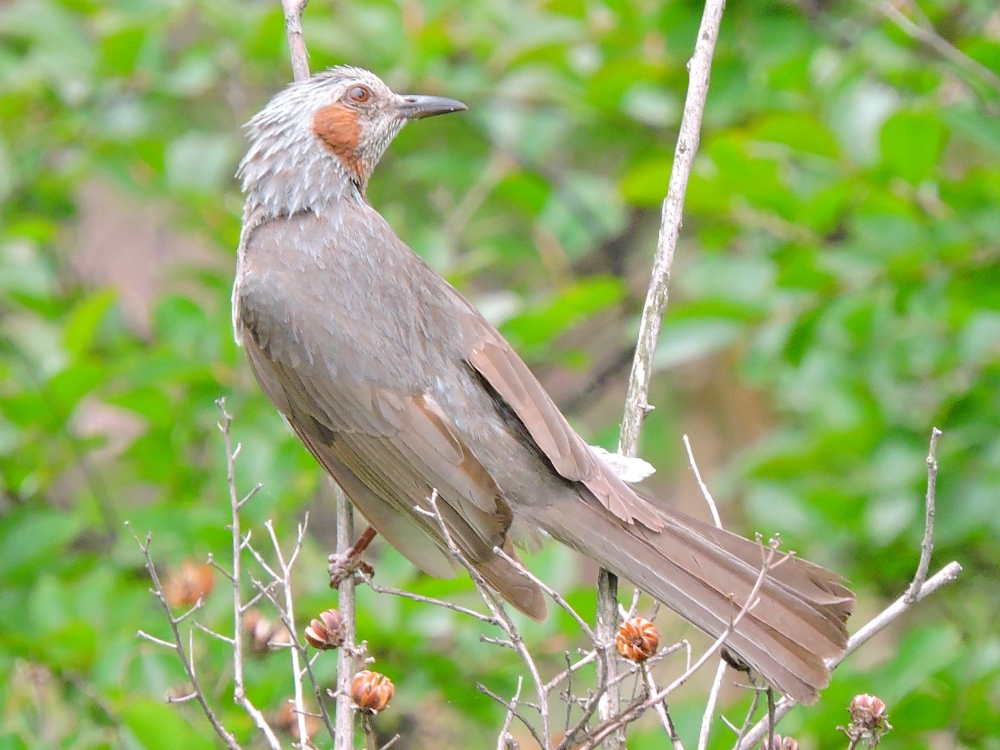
344	564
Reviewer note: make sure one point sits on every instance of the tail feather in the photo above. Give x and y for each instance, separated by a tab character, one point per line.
706	574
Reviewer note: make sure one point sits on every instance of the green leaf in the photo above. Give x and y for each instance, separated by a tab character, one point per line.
693	339
911	144
922	653
585	298
83	320
161	727
12	742
646	183
29	540
801	131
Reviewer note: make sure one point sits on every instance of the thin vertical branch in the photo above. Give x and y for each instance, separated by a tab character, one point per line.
289	617
700	67
636	400
607	626
720	670
713	699
927	545
296	44
345	603
344	721
239	689
186	657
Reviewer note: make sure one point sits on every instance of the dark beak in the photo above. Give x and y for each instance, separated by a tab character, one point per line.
416	107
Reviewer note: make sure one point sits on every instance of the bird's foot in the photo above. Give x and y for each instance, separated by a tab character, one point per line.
344	564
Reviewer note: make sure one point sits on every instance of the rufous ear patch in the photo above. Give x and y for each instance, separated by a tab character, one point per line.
337	126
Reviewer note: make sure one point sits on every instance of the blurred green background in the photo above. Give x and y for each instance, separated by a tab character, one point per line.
836	294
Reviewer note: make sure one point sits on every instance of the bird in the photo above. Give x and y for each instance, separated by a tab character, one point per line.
405	394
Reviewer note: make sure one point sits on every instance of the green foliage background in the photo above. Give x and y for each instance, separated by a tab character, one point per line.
836	293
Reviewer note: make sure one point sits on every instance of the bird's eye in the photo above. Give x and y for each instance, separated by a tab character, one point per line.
360	94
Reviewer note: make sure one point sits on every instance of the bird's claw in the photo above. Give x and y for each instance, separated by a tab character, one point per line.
344	564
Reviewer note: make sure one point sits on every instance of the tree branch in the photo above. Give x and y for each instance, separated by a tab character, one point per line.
239	689
346	667
927	545
633	712
296	44
944	576
927	34
636	400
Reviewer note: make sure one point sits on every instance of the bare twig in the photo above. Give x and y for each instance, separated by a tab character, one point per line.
943	577
751	712
178	645
296	44
927	34
512	710
661	709
566	673
713	699
631	713
927	545
700	67
346	667
556	597
427	600
502	738
298	650
771	721
607	626
720	670
239	689
701	484
497	609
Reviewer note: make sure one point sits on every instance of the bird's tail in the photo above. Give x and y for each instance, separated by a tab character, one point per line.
705	574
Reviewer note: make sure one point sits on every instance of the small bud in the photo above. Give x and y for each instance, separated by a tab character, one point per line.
371	691
637	639
780	743
185	585
327	632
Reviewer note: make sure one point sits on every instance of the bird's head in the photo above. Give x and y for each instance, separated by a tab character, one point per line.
320	139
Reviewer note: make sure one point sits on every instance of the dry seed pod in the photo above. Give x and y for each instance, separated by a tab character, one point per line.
185	585
371	691
637	639
868	714
327	631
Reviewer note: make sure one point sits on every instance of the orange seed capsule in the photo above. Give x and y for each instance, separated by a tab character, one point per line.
371	691
637	639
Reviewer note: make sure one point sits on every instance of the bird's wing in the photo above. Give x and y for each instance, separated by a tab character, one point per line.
509	378
388	450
